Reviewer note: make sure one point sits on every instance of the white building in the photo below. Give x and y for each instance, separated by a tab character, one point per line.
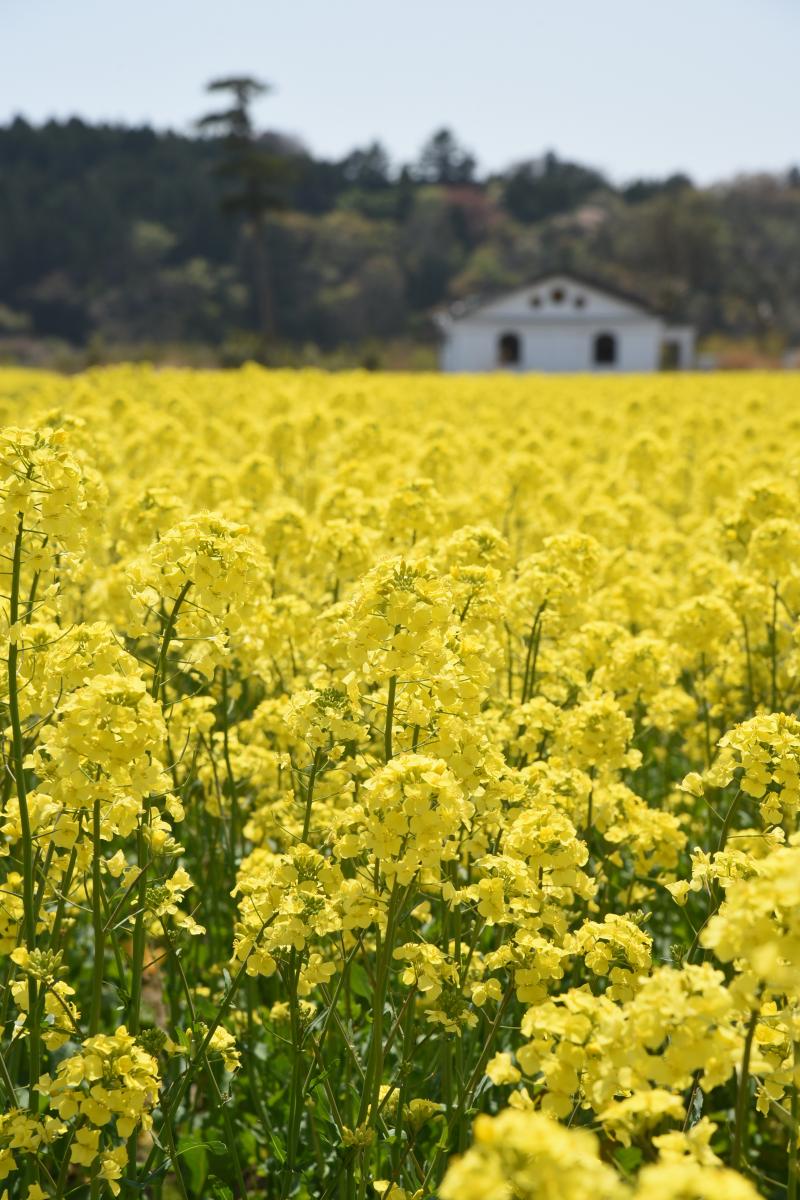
561	322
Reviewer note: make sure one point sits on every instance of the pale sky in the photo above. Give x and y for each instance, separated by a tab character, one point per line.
635	87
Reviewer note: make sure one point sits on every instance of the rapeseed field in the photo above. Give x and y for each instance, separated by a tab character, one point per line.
401	786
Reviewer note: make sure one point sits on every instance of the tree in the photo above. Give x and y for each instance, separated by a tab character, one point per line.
443	160
542	187
257	176
641	190
368	168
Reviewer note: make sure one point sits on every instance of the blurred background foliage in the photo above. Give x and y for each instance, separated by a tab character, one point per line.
232	244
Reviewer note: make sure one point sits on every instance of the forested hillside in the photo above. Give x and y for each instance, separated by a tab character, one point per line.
119	237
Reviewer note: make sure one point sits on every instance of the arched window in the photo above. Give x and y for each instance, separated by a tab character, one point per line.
605	349
508	349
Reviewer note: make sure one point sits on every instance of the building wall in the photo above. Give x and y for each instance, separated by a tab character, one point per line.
471	344
557	297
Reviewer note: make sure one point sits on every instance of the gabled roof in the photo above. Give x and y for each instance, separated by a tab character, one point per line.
472	304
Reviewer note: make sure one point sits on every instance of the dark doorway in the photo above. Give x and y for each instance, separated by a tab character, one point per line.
605	349
508	349
671	356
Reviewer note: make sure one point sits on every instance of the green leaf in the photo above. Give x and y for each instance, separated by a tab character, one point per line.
278	1150
628	1158
195	1158
359	982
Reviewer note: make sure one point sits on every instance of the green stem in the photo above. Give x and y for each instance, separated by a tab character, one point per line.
63	1174
791	1191
137	952
750	687
18	754
532	654
8	1084
387	733
587	837
99	930
63	897
312	777
739	1149
374	1072
728	821
409	1043
44	876
773	643
468	1094
706	713
169	1138
137	969
234	795
169	631
296	1085
137	963
115	946
182	1085
240	1189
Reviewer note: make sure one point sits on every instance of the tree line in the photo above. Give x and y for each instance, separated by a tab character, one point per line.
247	243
